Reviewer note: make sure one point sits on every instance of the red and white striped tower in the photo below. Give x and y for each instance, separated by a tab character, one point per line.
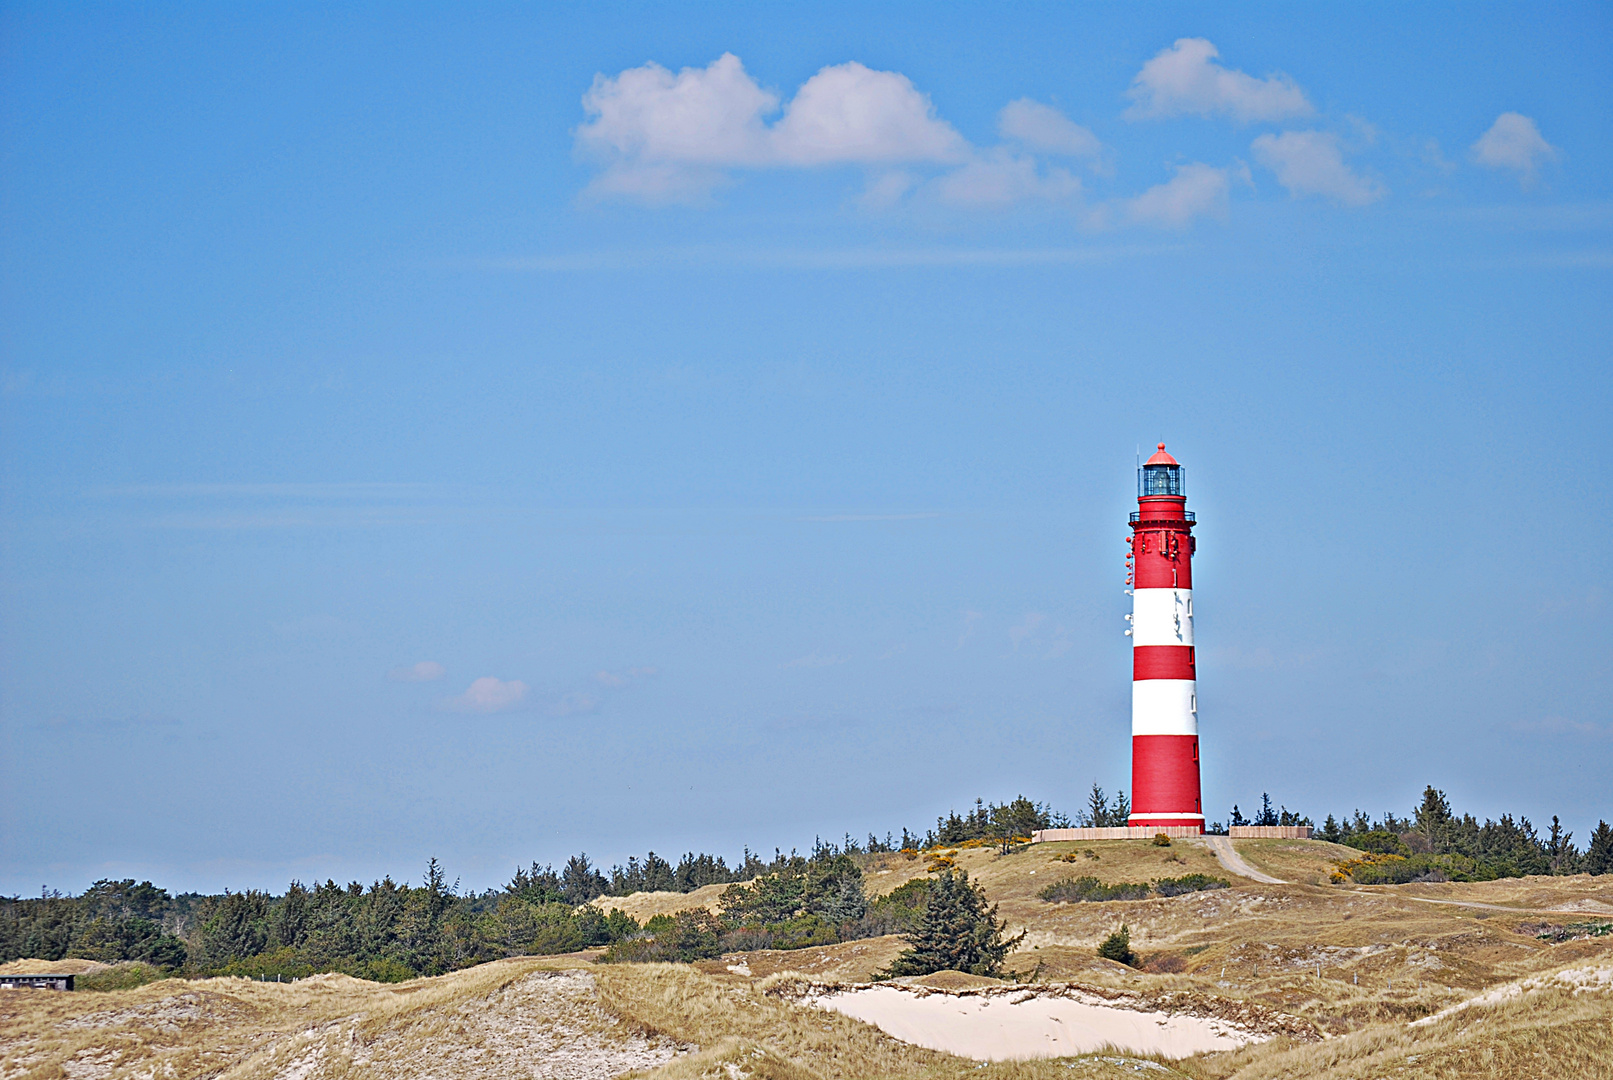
1164	700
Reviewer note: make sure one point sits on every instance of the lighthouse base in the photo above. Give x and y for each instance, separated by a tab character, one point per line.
1119	832
1167	821
1165	781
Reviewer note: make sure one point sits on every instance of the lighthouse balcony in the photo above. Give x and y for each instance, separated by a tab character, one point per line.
1187	515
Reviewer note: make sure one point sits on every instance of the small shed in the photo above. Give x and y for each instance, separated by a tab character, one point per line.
36	982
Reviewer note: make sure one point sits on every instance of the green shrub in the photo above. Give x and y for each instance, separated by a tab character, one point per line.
285	963
802	933
1161	840
596	927
1381	841
898	911
680	938
1576	930
1091	890
1429	868
121	977
1189	883
1117	947
383	970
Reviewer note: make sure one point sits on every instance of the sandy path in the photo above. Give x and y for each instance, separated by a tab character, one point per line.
1477	904
1002	1027
1228	857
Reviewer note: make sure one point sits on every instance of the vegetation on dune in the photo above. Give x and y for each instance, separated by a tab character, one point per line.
1436	845
389	931
1189	883
956	930
1266	816
386	932
808	901
1100	815
1117	947
124	976
1574	931
498	1019
1090	890
989	822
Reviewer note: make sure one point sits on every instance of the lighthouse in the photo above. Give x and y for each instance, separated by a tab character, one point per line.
1164	697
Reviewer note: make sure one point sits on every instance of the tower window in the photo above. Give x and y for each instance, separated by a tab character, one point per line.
1160	480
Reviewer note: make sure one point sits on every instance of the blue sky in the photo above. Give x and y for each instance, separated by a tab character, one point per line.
499	432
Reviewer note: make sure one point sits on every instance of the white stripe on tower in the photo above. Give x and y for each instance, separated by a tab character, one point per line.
1164	707
1162	617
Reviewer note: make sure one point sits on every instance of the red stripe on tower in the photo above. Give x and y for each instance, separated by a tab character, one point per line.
1164	694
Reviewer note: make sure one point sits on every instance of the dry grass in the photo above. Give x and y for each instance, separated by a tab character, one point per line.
1581	893
69	966
644	906
1553	1034
496	1020
1387	958
847	962
1305	862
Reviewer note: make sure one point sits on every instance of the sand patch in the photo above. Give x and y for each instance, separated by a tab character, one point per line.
1017	1024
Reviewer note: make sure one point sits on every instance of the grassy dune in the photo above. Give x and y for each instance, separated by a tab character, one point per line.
644	906
1388	957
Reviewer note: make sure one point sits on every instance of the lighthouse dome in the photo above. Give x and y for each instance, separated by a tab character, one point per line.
1161	457
1160	475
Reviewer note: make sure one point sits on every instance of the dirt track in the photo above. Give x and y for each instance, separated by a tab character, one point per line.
1228	857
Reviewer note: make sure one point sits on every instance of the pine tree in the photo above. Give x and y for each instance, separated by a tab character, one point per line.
1560	848
1268	816
579	881
1097	815
1599	856
956	931
1117	947
1434	820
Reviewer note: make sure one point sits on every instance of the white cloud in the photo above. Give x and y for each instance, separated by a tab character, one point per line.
424	671
663	137
1185	80
1514	142
1312	163
1195	191
488	695
706	116
1000	178
852	114
1042	127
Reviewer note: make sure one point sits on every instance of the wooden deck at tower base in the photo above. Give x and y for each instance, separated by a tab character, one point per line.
1122	832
